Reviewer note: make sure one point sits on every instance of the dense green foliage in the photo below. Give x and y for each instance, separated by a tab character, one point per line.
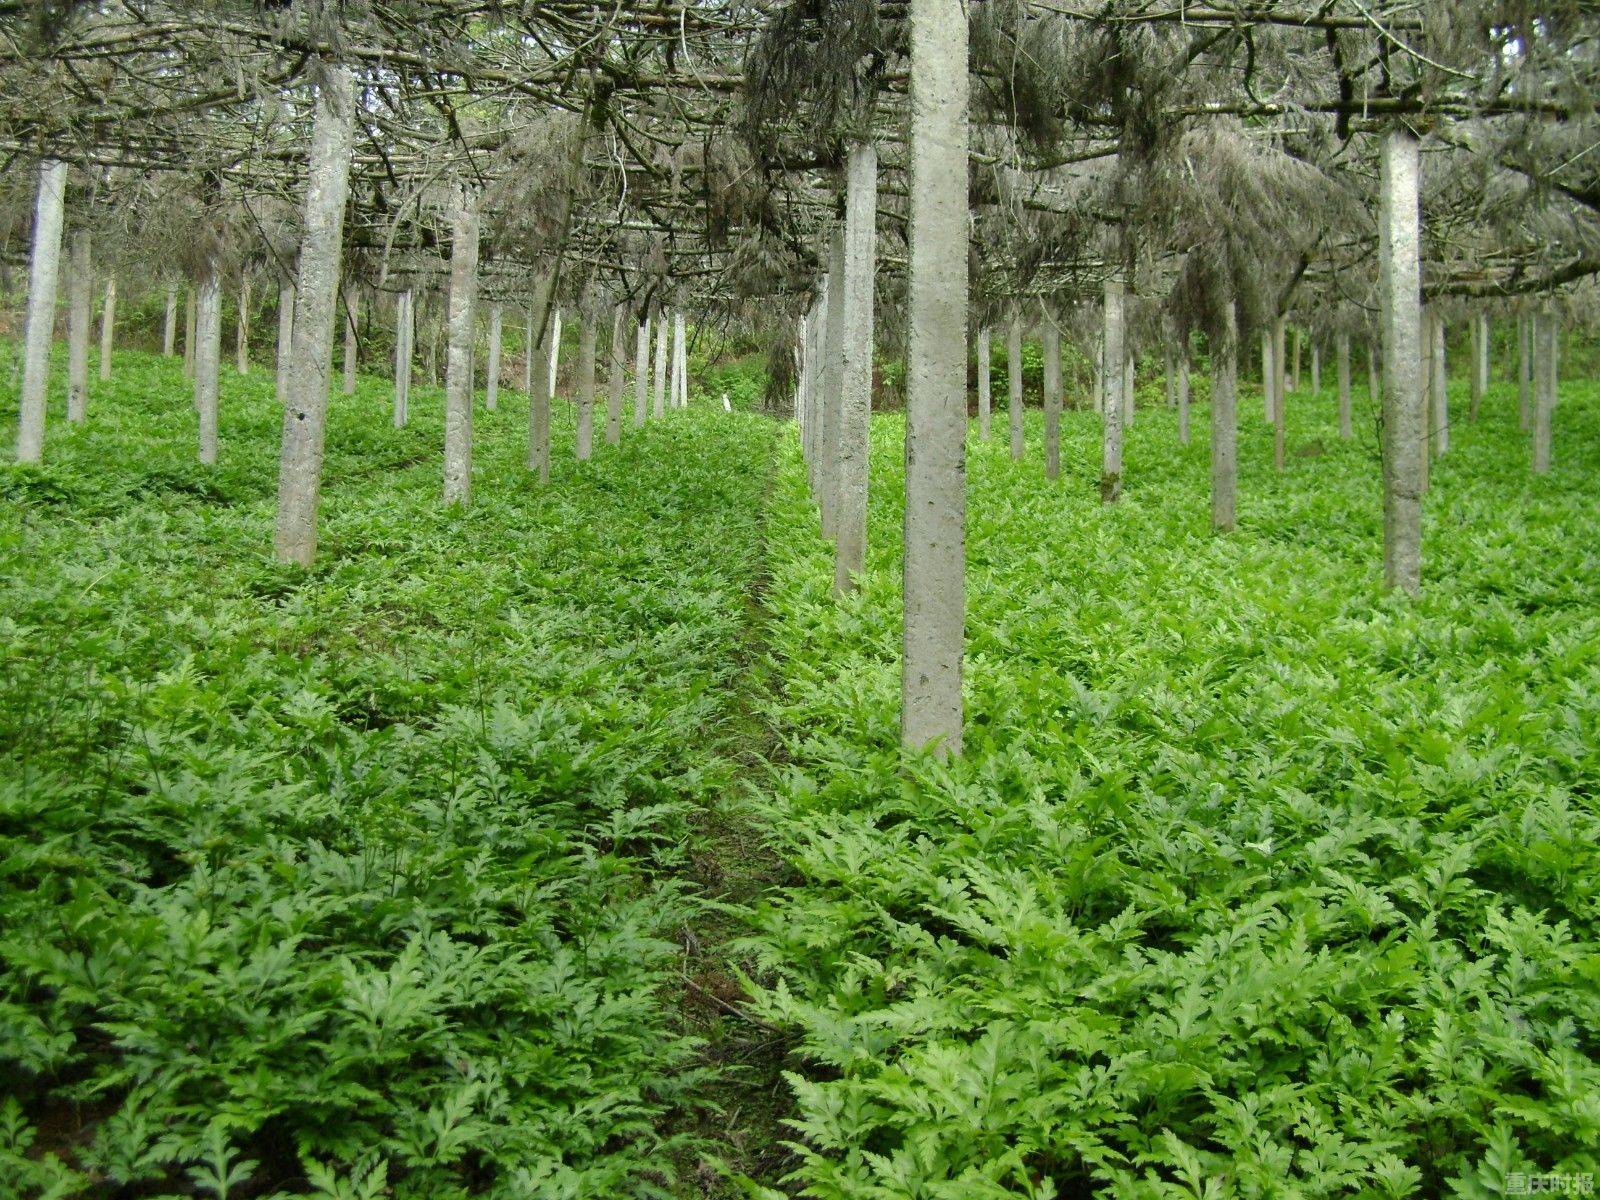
363	880
1254	881
366	881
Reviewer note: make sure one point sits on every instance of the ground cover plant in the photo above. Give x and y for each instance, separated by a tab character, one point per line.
362	880
1253	881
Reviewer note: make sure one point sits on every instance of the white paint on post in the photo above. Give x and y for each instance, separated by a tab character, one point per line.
44	270
985	381
1014	383
1400	293
108	327
80	309
458	380
586	349
1545	331
1115	378
208	359
936	382
491	378
617	376
855	393
305	410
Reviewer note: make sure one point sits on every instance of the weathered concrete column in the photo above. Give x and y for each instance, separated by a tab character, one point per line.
855	392
658	406
541	327
458	379
680	362
1342	368
208	359
1546	330
491	377
1052	397
1440	391
1269	369
832	388
936	382
1115	379
241	328
404	335
1225	420
80	307
584	441
108	327
1014	382
169	331
555	351
311	359
1183	394
1400	297
641	369
44	270
1279	397
616	378
188	331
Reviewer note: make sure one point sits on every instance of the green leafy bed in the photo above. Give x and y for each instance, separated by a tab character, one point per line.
361	881
1255	882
